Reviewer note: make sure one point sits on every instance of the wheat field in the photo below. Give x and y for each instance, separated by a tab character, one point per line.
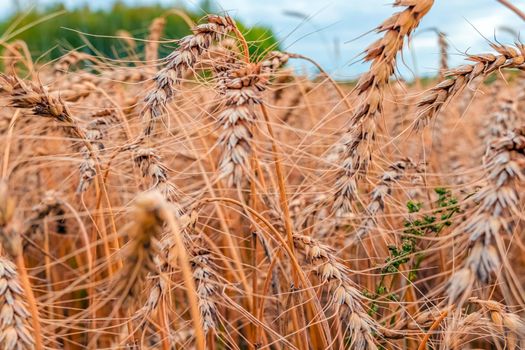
211	199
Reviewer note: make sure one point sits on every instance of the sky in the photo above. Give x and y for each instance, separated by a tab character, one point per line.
337	31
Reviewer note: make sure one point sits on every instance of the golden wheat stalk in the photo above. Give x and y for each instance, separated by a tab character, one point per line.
344	295
15	329
139	254
382	55
156	29
443	53
467	76
184	58
151	166
498	201
240	90
13	312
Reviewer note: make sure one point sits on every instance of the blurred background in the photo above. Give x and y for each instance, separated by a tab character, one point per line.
333	32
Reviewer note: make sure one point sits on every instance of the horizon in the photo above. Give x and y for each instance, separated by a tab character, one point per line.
343	28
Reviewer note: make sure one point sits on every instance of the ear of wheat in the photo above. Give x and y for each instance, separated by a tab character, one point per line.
151	166
443	53
343	294
155	32
497	201
27	95
184	58
14	332
33	97
382	55
241	92
503	119
95	133
460	78
139	254
15	329
509	325
206	291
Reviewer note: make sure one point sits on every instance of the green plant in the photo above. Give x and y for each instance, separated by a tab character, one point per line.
418	225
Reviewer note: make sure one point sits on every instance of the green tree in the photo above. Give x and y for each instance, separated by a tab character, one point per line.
93	31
